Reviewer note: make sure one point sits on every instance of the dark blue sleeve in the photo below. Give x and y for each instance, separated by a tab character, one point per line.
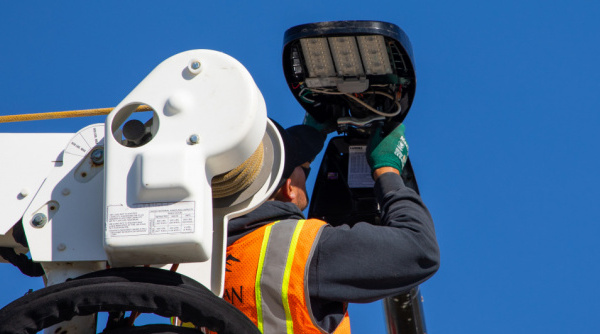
365	262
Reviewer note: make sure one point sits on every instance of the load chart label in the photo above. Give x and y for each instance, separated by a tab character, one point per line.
150	219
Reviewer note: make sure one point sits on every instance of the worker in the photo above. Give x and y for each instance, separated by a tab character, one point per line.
288	274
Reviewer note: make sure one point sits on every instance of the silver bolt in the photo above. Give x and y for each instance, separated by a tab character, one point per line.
194	139
39	220
194	66
97	156
61	247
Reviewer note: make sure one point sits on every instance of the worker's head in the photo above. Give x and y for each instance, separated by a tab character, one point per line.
302	143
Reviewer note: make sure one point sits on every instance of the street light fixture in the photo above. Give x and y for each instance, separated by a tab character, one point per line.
356	71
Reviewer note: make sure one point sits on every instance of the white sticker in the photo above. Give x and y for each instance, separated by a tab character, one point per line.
359	172
150	219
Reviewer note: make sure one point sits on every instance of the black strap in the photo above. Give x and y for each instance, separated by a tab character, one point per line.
21	261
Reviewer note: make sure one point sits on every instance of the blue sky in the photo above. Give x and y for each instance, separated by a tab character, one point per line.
502	132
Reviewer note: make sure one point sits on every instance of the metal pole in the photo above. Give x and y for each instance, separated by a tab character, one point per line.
404	313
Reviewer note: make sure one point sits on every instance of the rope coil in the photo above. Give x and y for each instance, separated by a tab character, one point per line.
239	178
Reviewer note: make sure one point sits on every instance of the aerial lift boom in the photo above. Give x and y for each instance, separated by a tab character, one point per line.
136	192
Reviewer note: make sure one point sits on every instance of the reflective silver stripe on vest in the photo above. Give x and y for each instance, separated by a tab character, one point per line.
273	269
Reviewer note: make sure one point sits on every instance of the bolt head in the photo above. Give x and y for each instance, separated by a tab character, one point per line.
195	66
97	156
39	220
194	139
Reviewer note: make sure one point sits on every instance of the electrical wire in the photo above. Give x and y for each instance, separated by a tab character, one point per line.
302	94
364	104
378	112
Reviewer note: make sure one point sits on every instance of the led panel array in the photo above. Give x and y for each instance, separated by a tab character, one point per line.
368	56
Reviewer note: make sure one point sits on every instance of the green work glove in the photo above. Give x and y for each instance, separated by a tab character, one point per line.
388	151
324	128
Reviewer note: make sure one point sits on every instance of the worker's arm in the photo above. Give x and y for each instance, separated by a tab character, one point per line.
365	262
380	171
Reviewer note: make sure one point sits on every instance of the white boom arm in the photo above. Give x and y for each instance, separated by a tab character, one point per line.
107	196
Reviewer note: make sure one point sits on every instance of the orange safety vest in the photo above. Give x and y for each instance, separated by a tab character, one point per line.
266	277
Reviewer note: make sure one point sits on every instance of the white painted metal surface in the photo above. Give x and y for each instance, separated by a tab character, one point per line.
147	202
71	201
27	160
209	117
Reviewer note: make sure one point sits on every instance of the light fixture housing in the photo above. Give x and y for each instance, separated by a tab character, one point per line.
350	69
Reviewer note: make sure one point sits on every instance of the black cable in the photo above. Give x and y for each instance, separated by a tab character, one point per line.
21	261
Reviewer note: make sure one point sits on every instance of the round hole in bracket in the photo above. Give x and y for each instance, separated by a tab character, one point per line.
135	125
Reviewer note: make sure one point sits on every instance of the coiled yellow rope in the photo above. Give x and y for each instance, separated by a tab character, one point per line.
63	114
240	177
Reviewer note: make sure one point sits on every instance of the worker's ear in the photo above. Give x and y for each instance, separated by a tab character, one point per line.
287	191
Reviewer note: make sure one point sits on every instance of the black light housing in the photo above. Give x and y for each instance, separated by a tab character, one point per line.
352	72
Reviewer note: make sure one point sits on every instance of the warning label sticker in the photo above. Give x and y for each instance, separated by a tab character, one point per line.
359	172
150	219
